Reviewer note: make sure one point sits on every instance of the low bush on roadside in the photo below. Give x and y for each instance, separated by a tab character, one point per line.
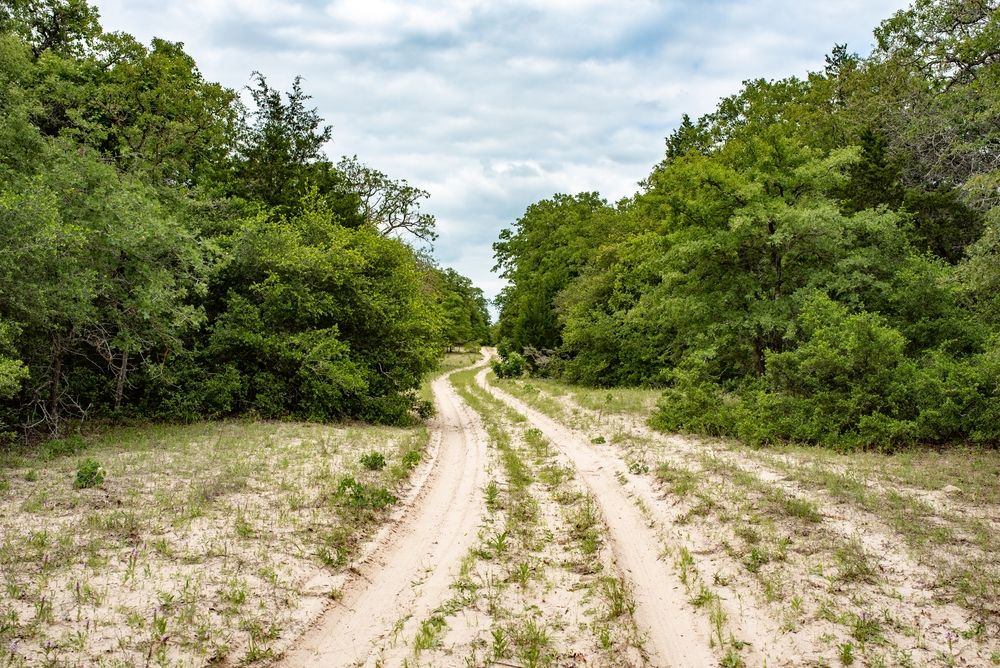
352	493
513	365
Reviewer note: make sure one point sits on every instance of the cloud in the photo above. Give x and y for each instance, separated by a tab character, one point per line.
493	104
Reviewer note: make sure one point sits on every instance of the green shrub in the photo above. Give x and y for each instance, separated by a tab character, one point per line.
411	458
89	473
848	383
352	493
512	366
373	461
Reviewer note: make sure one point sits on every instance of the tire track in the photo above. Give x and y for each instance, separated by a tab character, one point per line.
676	635
408	567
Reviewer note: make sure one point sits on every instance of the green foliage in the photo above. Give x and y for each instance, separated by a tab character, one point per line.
89	473
373	461
411	458
466	319
169	253
354	494
545	250
815	260
512	366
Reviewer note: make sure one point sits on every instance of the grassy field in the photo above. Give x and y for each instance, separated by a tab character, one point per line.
202	542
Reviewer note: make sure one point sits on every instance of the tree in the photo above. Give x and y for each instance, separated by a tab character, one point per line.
62	26
547	247
277	149
391	207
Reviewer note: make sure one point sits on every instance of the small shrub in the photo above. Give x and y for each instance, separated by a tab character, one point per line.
411	458
637	467
373	461
357	495
423	408
511	366
89	473
598	440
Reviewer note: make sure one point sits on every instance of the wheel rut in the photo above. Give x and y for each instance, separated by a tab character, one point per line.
406	569
677	636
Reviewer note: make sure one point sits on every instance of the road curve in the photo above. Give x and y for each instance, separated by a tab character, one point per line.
407	568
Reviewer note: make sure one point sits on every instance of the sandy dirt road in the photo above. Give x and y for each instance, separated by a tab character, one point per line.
405	571
676	635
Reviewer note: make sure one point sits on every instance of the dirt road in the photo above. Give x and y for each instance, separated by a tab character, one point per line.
676	635
407	568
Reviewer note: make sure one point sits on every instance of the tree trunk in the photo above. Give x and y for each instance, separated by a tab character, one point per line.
120	384
55	377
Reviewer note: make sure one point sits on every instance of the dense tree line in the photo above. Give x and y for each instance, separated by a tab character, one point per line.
169	252
815	260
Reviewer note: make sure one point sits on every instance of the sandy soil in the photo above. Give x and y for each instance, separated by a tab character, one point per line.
406	570
917	626
677	636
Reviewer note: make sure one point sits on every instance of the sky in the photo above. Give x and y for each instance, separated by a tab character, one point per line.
491	105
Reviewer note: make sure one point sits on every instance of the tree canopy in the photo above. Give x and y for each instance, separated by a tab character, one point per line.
171	253
814	260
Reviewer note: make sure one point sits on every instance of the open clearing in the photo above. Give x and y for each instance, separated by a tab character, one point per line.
529	524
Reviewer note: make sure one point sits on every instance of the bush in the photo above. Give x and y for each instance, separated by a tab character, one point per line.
373	461
89	473
412	458
847	384
513	366
358	495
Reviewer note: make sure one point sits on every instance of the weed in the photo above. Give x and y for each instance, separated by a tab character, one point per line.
617	597
803	509
533	643
718	617
846	652
732	659
598	440
584	525
498	543
637	467
500	648
865	628
680	480
244	529
854	564
521	573
31	475
492	496
757	557
428	635
685	563
89	473
373	461
411	458
703	597
604	637
259	636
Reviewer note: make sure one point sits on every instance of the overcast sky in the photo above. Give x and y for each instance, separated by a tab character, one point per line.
491	105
